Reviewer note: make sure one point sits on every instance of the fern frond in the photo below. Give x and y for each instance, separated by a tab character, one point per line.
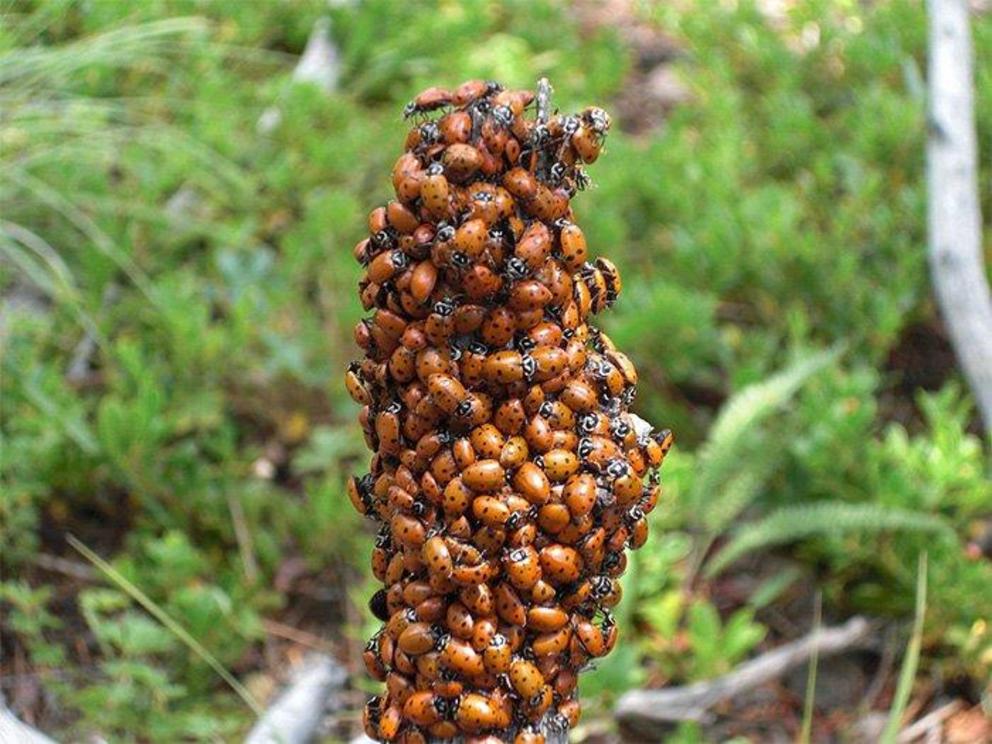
725	450
737	493
793	523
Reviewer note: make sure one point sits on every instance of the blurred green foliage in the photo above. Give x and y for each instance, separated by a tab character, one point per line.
202	442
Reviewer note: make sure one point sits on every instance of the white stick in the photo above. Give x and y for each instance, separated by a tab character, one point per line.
13	731
953	214
296	714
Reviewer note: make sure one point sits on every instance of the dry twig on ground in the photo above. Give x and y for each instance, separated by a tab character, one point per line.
650	710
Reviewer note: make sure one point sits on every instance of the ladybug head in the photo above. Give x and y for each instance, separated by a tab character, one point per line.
503	115
525	343
588	422
444	307
443	639
557	723
429	133
585	448
445	707
557	172
516	268
379	607
382	239
529	366
600	586
445	232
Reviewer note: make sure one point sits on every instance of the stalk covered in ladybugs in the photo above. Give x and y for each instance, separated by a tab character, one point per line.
508	476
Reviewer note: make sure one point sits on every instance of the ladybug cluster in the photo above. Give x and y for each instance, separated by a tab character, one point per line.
508	476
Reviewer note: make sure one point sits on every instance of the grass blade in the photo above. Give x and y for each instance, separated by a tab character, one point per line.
807	728
159	614
907	673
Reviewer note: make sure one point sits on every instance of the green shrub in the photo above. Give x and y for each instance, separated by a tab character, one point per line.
179	297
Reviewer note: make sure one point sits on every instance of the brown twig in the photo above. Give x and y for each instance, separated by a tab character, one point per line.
929	722
302	637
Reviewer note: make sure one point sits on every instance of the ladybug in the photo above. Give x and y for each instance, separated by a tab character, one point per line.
371	716
359	495
509	606
528	735
478	598
434	191
571	710
560	564
454	127
523	567
532	483
475	713
428	100
560	464
436	556
377	605
552	643
472	90
461	161
526	679
546	619
417	638
490	511
484	475
528	294
657	446
497	655
390	721
488	441
386	265
372	660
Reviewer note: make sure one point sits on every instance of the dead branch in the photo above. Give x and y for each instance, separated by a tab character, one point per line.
953	212
929	722
544	91
296	714
13	729
650	710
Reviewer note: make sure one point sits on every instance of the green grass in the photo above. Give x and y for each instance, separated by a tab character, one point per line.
200	444
911	659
